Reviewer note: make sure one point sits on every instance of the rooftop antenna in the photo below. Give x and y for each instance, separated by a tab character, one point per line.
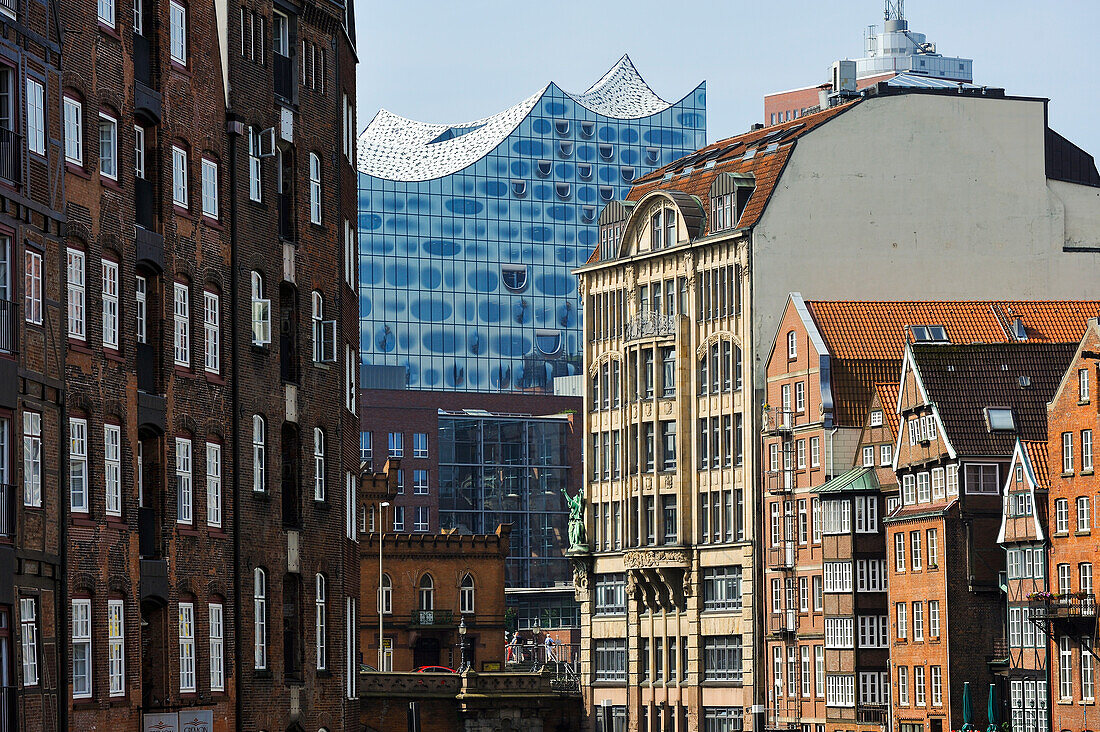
895	10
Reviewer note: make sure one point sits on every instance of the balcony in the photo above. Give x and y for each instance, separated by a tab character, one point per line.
11	156
145	203
147	533
9	7
872	714
8	320
782	557
784	622
778	421
649	325
432	619
284	77
781	482
7	511
286	217
1071	608
150	248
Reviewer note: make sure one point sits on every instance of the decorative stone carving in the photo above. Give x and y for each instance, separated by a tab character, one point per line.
689	588
643	559
668	481
580	579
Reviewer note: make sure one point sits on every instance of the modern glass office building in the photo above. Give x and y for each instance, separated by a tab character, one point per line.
468	234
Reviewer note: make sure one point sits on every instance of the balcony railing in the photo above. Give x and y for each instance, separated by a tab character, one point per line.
9	7
782	556
431	617
8	320
780	482
779	420
1078	606
649	325
7	510
284	77
872	714
11	156
783	622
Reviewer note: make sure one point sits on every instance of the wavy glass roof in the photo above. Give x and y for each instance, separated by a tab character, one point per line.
395	148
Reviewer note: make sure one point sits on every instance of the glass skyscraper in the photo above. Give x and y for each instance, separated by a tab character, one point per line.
468	233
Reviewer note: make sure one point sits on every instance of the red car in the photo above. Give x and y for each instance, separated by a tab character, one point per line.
434	670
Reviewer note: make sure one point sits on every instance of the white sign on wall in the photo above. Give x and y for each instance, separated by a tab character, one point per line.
160	723
197	721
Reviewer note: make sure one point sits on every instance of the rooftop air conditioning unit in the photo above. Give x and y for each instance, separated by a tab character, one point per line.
844	77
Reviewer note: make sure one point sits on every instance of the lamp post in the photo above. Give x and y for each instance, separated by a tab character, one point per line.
381	608
464	659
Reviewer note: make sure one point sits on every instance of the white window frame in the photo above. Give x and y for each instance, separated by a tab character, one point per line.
76	277
32	286
211	326
28	638
81	622
466	595
177	15
112	469
109	280
36	117
184	482
1083	385
216	625
314	188
261	312
350	510
116	648
181	319
259	618
255	169
321	611
187	647
213	484
318	464
32	459
74	130
141	312
108	145
139	149
179	175
1084	514
105	12
209	170
259	454
78	465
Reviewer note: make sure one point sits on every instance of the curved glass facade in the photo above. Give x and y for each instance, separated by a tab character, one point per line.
466	278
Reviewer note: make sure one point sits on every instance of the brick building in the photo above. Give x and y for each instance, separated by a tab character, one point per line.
1023	534
195	162
32	377
961	410
1070	617
430	584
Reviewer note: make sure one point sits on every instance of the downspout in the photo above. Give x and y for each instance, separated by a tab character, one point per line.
234	128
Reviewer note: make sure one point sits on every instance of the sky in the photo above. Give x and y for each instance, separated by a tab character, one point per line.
448	62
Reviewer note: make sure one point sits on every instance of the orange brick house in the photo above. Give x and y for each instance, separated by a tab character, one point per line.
961	411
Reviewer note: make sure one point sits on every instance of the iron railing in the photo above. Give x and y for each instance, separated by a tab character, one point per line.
782	556
8	323
649	325
783	622
779	420
11	156
1066	607
431	617
783	481
872	714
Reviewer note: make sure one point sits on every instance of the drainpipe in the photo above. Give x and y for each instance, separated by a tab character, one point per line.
235	128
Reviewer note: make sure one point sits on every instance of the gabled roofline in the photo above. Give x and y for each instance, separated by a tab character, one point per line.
1091	325
1020	456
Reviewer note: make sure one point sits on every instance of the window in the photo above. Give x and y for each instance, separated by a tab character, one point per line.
32	287
933	618
108	145
918	685
177	16
1086	451
1088	679
866	514
915	551
869	456
1083	385
398	518
182	319
466	595
952	480
209	188
1061	515
140	312
426	593
318	464
28	635
610	659
139	151
838	517
259	458
981	478
183	481
903	686
818	587
179	175
314	188
876	418
933	548
899	551
75	272
324	332
213	484
872	631
351	656
397	444
722	658
82	648
901	620
1067	452
420	444
721	588
217	646
112	469
110	303
105	10
937	686
871	575
255	190
349	505
838	576
187	647
261	312
385	595
420	519
36	117
918	621
815	452
800	396
886	455
838	632
259	618
32	459
78	465
420	482
1065	668
1083	514
351	366
840	691
1000	419
74	131
211	325
1085	577
321	610
792	345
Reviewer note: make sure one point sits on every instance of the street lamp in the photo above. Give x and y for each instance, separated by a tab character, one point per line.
381	534
464	659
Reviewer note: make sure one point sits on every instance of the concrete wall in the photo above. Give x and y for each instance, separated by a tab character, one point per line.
924	197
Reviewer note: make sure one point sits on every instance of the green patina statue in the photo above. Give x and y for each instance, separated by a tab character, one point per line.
576	522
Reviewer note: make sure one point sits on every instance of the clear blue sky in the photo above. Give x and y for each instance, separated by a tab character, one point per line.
449	62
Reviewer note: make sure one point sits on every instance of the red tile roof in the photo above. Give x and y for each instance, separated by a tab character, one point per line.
888	397
1037	455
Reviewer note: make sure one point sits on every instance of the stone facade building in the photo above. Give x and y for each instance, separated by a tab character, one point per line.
204	484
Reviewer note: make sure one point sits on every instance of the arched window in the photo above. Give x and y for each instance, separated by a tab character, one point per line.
259	617
703	382
321	604
261	312
792	344
427	593
318	318
385	595
318	464
466	595
259	454
736	368
314	188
